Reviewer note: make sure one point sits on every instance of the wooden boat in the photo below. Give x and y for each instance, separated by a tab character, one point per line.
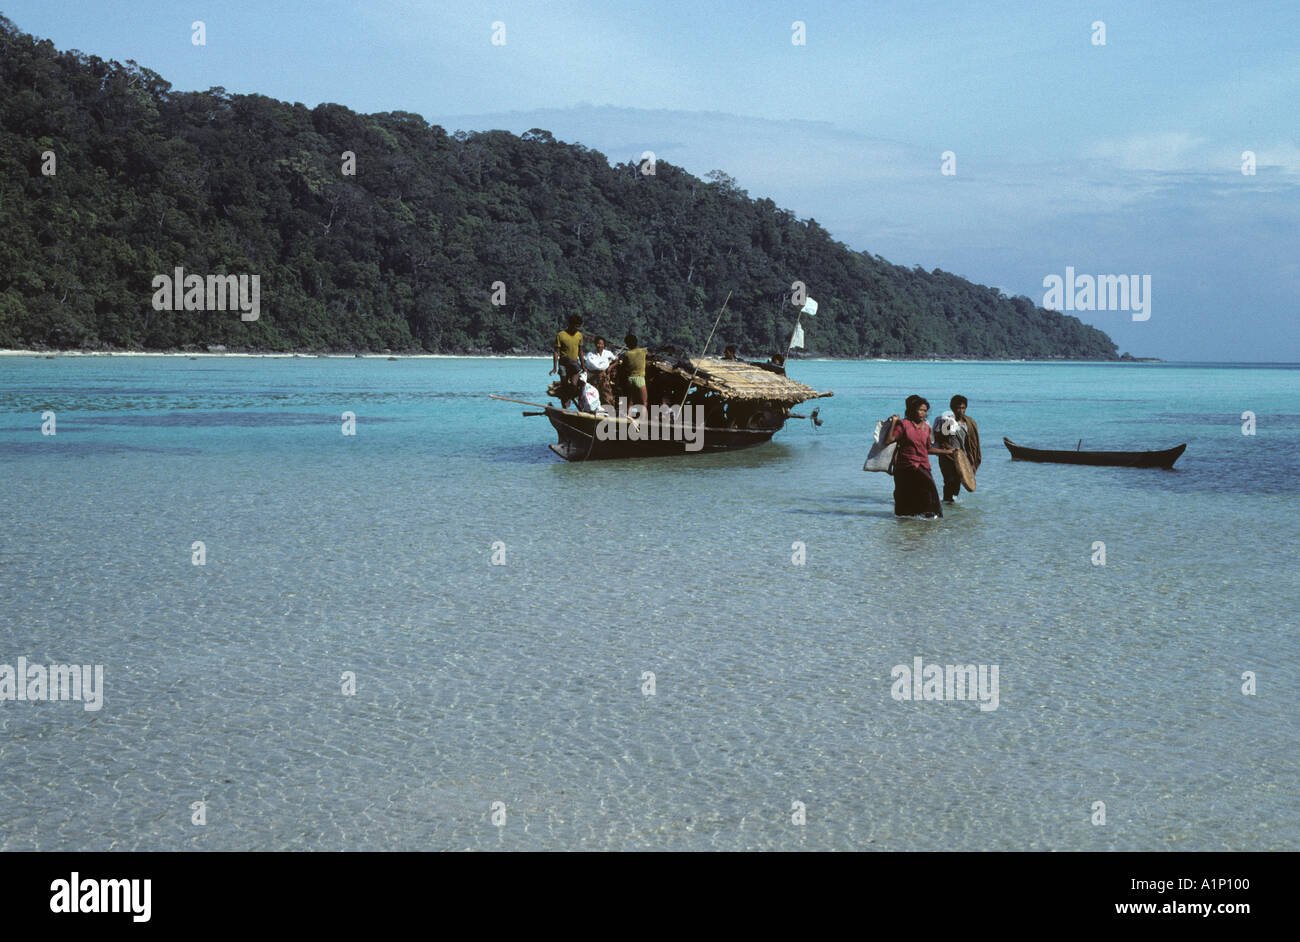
741	405
580	439
1119	459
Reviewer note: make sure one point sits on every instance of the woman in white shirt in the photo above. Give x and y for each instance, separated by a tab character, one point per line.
597	363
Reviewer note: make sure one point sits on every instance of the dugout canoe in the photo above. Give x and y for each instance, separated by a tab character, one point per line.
1114	459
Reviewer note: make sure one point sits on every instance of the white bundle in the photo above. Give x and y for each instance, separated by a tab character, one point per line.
946	425
881	455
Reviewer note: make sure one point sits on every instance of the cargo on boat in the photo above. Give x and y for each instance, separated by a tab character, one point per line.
1117	459
697	404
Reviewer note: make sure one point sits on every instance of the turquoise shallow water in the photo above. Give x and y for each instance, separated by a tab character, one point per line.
522	683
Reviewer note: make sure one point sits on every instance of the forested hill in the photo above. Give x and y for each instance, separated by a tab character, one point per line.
109	178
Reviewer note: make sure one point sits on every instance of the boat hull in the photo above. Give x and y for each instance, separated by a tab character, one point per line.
579	439
1110	459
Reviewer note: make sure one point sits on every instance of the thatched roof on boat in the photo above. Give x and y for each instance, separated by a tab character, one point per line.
736	379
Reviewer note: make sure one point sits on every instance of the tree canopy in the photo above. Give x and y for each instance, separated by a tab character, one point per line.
439	242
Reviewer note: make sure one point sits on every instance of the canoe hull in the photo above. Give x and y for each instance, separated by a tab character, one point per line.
1110	459
580	440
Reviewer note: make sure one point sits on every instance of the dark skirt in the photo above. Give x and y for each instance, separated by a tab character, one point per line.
915	493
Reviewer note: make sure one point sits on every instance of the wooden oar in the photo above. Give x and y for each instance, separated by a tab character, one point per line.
521	402
611	418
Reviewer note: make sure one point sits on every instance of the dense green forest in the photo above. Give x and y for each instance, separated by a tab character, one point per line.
109	178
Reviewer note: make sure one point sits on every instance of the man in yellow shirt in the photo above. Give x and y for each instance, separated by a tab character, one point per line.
568	355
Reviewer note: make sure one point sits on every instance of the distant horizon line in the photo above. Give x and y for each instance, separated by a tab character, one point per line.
371	355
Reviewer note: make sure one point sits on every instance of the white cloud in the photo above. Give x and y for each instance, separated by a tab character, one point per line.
1162	151
1183	152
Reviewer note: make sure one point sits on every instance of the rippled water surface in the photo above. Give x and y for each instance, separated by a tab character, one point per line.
523	683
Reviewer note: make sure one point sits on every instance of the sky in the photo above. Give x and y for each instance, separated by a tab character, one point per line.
1115	158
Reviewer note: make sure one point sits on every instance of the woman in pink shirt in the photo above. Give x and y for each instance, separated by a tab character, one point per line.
914	490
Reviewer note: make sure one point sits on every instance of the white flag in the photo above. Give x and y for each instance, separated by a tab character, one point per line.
796	339
809	308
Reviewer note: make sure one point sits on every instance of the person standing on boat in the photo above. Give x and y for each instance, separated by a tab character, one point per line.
634	362
967	438
914	490
598	363
567	357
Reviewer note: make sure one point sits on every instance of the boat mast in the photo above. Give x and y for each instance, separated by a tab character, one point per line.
696	369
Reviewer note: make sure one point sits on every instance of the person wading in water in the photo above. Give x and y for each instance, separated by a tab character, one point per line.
967	438
914	490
